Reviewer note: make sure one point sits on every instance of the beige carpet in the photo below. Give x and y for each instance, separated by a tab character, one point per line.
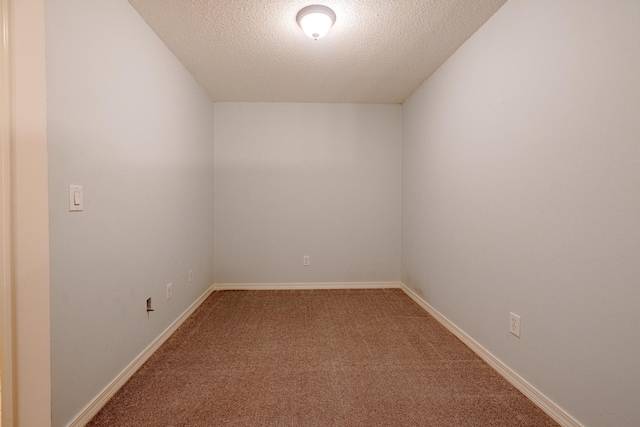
316	358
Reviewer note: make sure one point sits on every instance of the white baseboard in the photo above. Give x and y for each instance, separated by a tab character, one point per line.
92	409
542	401
292	286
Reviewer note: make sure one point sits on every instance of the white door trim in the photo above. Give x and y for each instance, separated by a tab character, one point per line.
6	261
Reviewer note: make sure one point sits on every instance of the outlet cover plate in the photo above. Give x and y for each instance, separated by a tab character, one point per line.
514	324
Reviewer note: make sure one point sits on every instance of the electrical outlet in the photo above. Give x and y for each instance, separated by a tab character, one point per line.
190	276
305	260
169	291
514	324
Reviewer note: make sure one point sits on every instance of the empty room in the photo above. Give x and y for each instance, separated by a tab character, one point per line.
426	214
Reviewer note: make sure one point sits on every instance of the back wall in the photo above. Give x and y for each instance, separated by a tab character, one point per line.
321	180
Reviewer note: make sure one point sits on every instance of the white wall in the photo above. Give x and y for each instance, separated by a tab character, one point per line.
321	180
128	123
30	239
521	172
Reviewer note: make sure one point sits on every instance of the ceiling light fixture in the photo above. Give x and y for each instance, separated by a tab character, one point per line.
316	20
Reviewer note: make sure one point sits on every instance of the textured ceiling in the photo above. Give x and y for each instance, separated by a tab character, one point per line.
378	51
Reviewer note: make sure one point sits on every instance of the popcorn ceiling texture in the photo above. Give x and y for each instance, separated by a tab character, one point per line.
378	51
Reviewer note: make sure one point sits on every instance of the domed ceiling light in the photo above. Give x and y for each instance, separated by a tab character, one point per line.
316	20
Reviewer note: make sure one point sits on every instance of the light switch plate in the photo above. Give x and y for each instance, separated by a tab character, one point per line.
75	198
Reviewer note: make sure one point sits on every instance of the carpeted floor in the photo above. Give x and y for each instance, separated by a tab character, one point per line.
316	358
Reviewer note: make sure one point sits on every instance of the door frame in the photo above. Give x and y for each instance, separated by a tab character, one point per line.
6	230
